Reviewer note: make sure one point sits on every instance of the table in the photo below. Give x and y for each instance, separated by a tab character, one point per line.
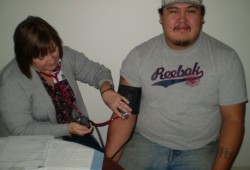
47	153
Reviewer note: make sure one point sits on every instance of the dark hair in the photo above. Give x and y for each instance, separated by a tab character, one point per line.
203	10
34	37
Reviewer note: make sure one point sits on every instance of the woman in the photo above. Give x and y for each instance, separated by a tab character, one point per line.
38	89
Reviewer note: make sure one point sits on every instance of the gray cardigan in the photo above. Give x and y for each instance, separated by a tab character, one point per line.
25	106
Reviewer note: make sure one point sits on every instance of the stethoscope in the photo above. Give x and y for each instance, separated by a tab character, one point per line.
55	76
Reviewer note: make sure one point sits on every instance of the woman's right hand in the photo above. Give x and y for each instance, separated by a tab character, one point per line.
78	129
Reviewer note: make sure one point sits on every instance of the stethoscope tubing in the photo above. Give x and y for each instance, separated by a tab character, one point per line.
55	76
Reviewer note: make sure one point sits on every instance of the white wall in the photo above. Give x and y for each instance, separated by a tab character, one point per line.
107	30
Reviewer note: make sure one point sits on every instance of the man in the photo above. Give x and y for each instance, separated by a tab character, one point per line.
193	96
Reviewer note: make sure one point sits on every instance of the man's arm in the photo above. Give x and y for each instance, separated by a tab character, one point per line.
231	135
119	132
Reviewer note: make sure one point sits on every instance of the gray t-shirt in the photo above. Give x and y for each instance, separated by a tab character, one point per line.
183	89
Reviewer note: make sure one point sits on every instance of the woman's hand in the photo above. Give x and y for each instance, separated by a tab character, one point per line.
78	129
117	103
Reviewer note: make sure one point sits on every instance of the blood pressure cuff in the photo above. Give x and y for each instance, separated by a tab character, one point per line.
133	94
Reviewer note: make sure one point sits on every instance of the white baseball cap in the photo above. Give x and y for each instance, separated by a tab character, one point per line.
168	2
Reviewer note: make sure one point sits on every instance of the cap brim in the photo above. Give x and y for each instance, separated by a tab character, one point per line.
182	1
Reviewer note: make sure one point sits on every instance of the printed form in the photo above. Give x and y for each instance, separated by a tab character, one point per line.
65	155
47	153
24	152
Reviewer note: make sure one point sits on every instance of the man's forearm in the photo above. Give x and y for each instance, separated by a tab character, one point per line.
229	144
118	133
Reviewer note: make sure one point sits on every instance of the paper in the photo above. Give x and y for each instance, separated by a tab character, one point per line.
65	155
47	153
24	152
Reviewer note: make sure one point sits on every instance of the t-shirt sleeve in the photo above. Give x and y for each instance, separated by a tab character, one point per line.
232	85
130	69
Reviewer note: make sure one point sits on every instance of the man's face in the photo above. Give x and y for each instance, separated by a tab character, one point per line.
182	23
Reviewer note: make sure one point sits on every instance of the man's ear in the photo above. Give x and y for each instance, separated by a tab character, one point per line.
160	20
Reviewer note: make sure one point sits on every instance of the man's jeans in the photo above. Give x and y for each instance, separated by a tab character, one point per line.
142	154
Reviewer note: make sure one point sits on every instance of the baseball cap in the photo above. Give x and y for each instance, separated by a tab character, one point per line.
168	2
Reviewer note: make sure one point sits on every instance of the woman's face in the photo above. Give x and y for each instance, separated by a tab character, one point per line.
182	23
47	63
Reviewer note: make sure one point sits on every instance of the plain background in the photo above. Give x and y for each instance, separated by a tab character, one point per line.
106	30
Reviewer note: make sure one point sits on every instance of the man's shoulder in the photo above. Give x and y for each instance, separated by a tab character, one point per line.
150	43
215	42
153	40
